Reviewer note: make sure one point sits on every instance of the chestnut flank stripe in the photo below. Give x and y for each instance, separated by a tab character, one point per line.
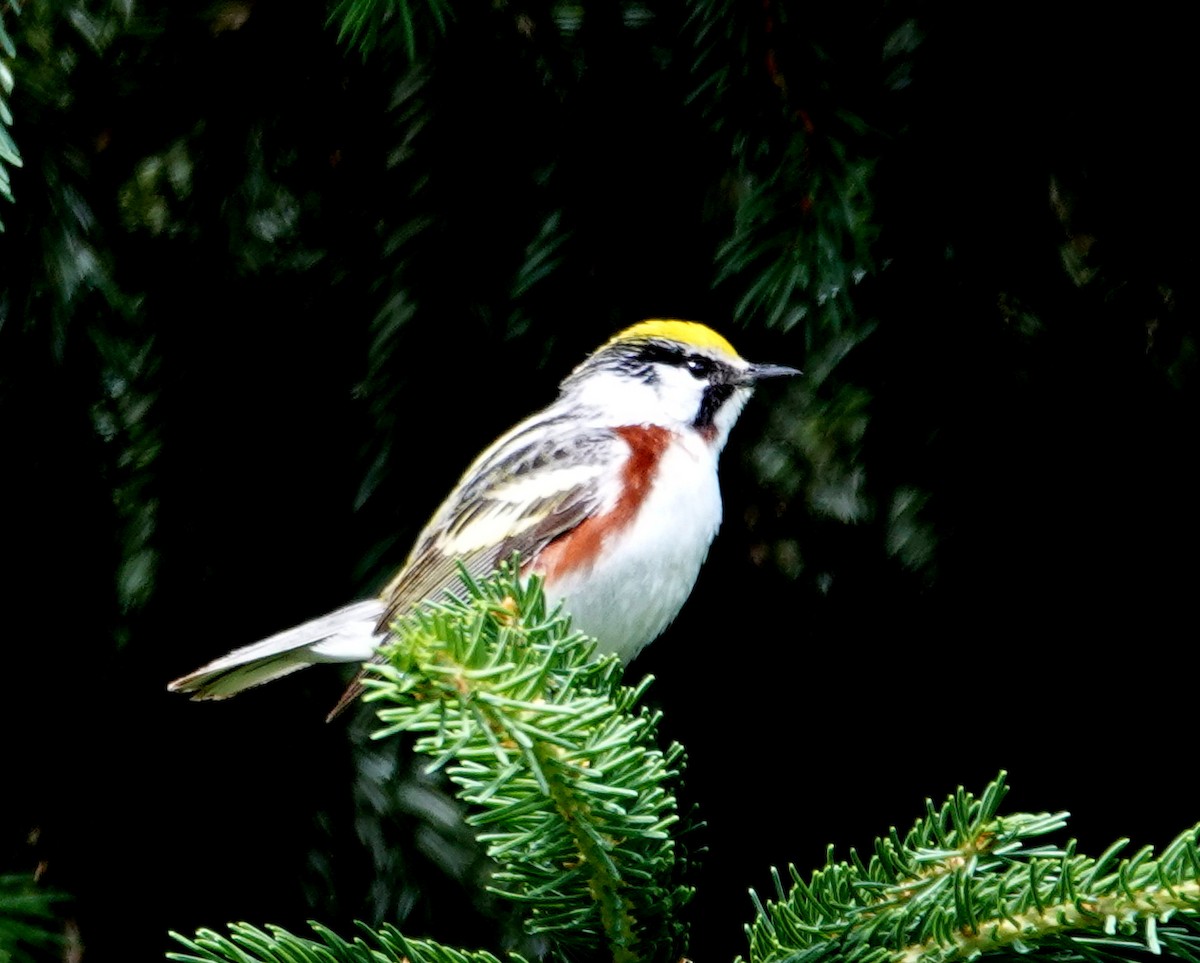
581	546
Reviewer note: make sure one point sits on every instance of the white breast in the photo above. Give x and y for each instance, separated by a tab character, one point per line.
646	571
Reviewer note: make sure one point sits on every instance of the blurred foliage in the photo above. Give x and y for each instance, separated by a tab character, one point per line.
30	931
10	156
272	272
366	24
799	188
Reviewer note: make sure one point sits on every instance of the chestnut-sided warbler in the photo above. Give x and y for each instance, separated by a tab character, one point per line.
610	494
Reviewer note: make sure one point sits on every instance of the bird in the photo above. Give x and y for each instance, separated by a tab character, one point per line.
610	494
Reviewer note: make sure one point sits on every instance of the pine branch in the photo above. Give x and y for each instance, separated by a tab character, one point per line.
567	788
249	944
965	881
571	799
557	763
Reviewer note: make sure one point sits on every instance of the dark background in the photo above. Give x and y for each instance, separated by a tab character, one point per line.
264	294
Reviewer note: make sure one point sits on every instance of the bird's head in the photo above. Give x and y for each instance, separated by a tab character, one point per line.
678	374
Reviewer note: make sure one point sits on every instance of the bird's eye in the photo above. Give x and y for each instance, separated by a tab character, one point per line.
699	366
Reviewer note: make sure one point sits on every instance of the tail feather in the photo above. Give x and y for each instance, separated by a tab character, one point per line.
353	691
348	634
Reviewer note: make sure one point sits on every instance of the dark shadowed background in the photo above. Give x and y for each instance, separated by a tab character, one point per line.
263	295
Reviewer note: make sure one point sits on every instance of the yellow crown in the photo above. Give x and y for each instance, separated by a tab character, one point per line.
685	332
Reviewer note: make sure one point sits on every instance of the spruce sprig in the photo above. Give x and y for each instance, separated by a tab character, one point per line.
965	881
250	944
558	763
559	767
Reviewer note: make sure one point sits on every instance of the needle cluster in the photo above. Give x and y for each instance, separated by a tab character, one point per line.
566	786
558	765
965	881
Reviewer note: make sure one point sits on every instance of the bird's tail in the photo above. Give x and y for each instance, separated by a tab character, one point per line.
348	634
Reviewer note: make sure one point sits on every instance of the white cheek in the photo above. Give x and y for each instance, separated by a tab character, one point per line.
679	394
671	400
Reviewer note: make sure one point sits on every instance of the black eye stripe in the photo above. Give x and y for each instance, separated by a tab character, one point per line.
655	353
640	359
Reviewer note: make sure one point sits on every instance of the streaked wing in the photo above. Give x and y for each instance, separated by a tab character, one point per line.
524	493
530	487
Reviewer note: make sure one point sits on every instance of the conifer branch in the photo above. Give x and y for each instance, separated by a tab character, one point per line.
560	767
249	944
557	762
966	881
